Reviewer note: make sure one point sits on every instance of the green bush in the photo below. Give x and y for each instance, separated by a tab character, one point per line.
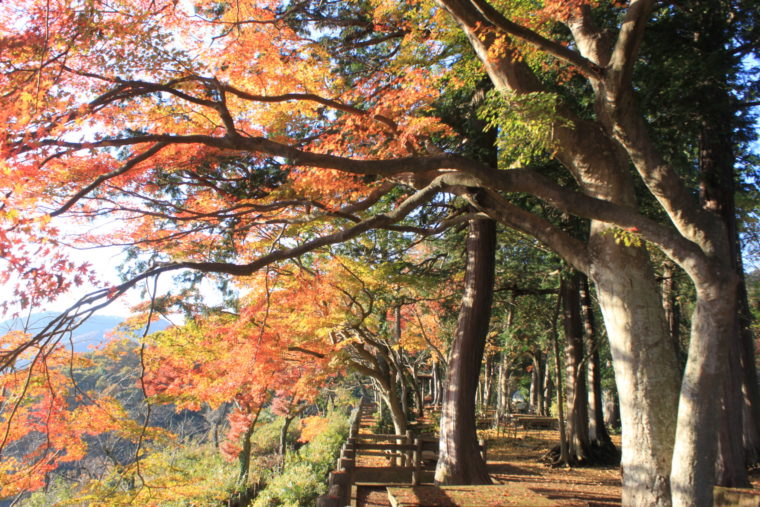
383	422
304	476
296	485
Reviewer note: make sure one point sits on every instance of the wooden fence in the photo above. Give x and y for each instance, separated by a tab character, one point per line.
403	451
510	423
341	479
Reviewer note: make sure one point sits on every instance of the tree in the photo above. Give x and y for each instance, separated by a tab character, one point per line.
106	112
250	360
600	438
358	307
47	417
711	118
577	420
460	461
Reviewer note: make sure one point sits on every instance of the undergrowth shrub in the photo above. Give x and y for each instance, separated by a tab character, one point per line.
304	476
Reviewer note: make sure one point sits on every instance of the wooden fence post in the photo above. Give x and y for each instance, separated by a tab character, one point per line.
348	453
408	454
340	487
347	464
328	501
417	458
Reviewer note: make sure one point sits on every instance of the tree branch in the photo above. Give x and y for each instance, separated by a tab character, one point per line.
294	348
452	171
570	249
591	41
627	45
75	315
498	20
105	177
311	97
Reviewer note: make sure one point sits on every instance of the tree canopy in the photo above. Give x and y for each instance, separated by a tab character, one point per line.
263	140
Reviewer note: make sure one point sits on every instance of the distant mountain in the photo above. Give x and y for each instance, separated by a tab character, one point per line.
91	333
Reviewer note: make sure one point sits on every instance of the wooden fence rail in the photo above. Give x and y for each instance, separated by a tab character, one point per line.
404	451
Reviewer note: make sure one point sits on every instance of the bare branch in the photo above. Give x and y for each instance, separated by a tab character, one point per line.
627	45
311	97
497	19
306	351
372	42
573	251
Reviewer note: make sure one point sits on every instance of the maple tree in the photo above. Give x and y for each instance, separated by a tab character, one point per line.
46	415
230	138
364	312
251	360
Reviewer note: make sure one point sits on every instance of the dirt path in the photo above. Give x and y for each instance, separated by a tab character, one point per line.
518	460
509	460
373	469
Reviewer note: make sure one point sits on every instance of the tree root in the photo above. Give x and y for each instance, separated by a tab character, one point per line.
595	455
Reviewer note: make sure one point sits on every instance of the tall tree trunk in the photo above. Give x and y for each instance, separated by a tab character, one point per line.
671	306
601	443
730	469
284	434
536	382
417	391
381	405
404	394
548	389
578	443
391	397
750	390
460	461
436	386
500	389
503	405
396	357
488	381
716	160
739	390
505	361
563	454
695	451
645	364
646	369
611	409
398	416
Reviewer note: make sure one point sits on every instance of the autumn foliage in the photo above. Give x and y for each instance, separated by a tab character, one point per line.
46	416
188	126
250	360
300	155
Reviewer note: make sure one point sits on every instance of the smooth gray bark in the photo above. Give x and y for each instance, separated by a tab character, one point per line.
627	293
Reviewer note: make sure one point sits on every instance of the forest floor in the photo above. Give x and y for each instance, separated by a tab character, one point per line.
517	461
